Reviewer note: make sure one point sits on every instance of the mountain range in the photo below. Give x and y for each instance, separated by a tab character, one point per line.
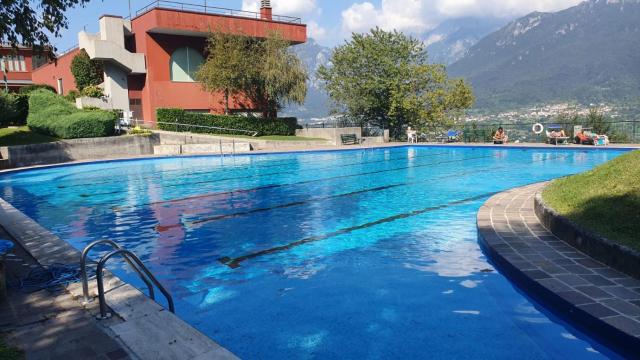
586	54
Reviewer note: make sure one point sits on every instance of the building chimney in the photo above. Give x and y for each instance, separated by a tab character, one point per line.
266	13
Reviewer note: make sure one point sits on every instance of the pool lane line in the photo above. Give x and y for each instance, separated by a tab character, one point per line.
271	186
280	206
316	158
235	262
330	197
224	167
249	175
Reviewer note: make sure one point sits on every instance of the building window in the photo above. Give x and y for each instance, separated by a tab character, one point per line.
185	62
14	63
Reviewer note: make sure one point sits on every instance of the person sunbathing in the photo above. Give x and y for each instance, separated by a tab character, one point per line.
500	137
583	139
557	134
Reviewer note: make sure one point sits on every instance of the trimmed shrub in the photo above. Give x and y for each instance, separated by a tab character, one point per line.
30	88
86	72
13	109
53	115
168	117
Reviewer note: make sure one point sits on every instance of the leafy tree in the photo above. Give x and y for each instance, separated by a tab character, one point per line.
281	77
229	66
263	71
31	22
385	78
86	72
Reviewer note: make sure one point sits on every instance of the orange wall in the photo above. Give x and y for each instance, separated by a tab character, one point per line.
159	91
157	34
58	69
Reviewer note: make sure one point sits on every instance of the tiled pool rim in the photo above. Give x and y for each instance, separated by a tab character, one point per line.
139	330
567	281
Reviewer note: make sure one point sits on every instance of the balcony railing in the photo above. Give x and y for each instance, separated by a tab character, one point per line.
174	5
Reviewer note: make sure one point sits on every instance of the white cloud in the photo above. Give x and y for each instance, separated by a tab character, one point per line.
284	7
315	31
419	16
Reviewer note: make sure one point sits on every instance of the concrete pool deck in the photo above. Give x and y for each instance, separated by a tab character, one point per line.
601	300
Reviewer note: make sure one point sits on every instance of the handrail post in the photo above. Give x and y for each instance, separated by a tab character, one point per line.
83	269
100	275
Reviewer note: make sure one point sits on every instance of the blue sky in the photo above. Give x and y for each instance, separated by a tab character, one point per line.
331	21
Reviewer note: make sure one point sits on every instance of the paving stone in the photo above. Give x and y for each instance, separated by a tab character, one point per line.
572	280
622	292
537	274
598	280
594	292
575	297
622	307
578	269
597	310
555	285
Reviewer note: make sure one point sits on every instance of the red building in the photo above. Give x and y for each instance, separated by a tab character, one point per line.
150	60
16	65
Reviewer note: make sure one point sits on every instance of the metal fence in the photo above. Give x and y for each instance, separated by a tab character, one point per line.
623	131
176	5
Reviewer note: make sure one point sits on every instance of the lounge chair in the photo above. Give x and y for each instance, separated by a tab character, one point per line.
557	139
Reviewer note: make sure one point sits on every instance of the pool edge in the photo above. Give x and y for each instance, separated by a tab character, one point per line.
131	305
560	302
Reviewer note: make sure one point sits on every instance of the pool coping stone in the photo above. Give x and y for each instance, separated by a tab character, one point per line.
601	301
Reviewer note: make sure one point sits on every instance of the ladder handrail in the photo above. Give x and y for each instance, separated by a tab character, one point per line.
100	275
114	245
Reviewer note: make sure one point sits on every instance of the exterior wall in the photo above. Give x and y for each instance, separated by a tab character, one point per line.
18	79
156	34
331	134
159	32
57	69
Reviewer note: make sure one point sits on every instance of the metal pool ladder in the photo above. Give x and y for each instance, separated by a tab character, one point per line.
136	264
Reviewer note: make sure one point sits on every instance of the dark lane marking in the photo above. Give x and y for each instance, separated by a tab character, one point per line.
281	206
235	262
330	197
249	176
271	186
282	162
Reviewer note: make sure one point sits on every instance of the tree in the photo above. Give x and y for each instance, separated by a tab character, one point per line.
86	72
229	66
30	22
281	76
385	78
264	71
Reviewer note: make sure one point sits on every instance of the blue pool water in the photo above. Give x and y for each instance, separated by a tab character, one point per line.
353	254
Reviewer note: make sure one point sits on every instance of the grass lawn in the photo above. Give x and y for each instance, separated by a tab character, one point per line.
22	136
605	200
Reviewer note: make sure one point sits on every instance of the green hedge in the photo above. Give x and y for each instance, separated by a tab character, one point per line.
13	109
264	127
53	115
29	88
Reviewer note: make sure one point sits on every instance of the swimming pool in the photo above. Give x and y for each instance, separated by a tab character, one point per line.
344	254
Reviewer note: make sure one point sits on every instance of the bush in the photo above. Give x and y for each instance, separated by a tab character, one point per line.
92	91
13	109
86	72
73	95
280	126
30	88
53	115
